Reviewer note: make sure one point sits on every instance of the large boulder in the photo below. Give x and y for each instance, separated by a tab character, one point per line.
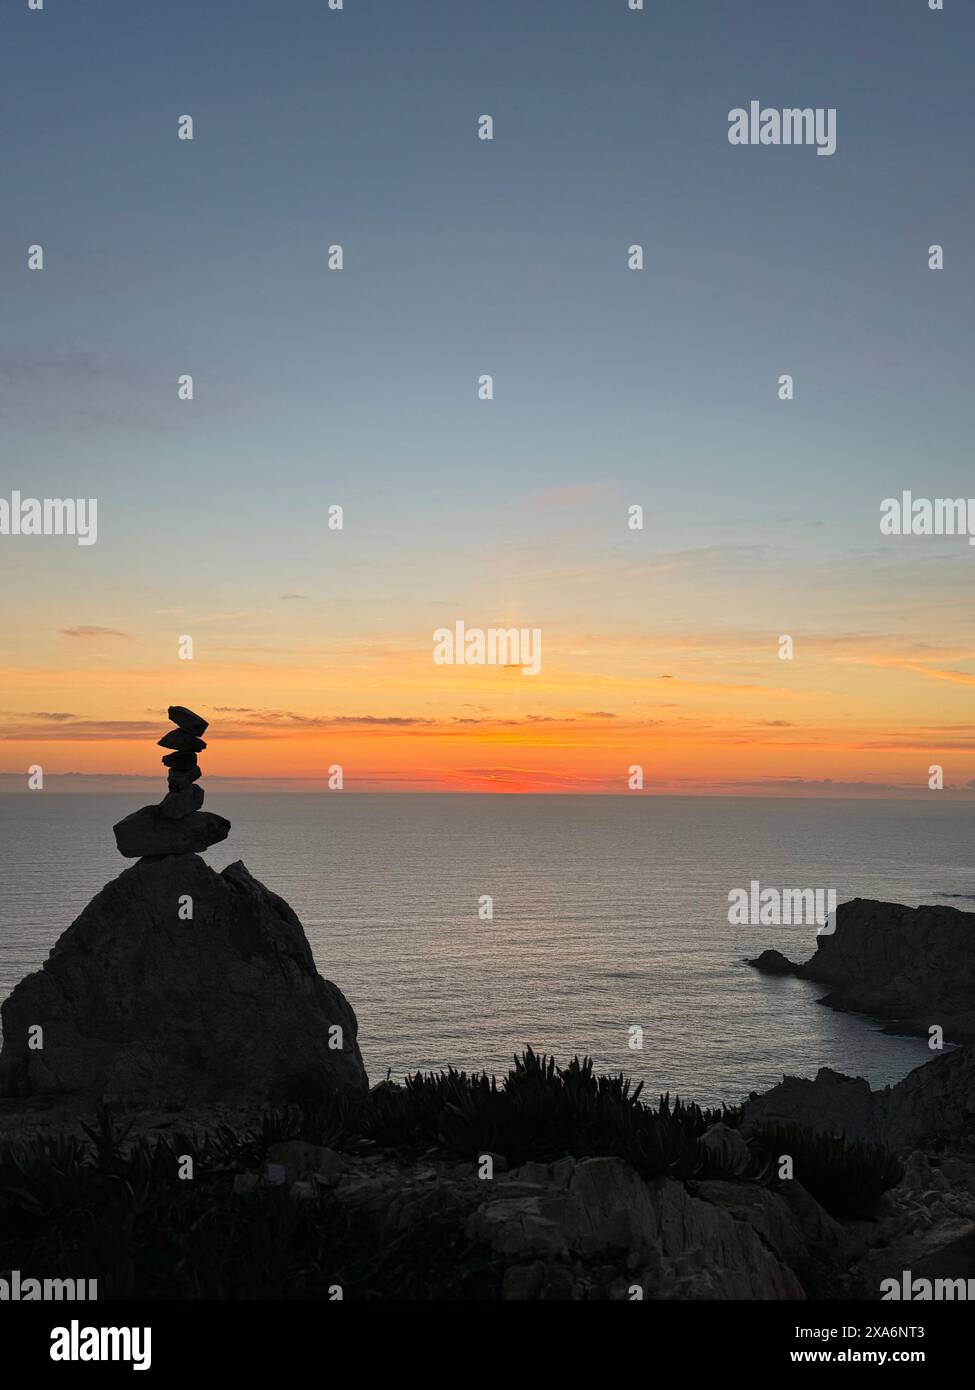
912	966
178	985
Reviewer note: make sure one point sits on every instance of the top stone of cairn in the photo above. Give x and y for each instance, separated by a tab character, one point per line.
186	720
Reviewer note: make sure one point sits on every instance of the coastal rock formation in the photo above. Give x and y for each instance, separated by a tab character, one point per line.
774	963
914	967
176	825
830	1104
933	1106
179	986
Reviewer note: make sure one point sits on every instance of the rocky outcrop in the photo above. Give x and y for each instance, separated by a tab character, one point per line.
176	986
676	1245
924	1227
933	1107
592	1228
914	967
787	1220
774	963
830	1104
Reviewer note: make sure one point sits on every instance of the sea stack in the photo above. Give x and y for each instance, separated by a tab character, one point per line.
176	825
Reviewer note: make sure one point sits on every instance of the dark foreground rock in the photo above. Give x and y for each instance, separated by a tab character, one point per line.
914	967
141	1004
678	1244
932	1108
395	1220
386	1223
153	830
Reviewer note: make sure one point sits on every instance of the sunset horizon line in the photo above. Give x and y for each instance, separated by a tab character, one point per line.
15	782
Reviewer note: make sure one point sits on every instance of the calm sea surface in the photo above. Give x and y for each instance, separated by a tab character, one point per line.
608	912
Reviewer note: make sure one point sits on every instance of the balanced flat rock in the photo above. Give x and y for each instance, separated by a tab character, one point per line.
180	761
181	741
182	803
150	831
186	720
185	777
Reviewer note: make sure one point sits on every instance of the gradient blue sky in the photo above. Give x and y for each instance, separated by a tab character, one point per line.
463	257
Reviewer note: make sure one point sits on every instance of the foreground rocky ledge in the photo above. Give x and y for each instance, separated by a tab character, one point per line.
414	1220
913	967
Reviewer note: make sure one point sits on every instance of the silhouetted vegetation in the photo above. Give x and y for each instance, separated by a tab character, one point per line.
545	1112
846	1178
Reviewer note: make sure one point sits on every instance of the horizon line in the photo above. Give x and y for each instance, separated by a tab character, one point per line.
73	783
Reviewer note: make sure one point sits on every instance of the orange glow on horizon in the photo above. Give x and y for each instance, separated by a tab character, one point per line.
717	719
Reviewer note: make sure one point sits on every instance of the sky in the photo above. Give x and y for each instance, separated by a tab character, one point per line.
613	388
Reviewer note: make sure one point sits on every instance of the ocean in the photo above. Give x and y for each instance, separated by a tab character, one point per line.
609	914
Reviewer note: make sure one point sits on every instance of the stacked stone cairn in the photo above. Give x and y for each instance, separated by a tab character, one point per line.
176	825
185	742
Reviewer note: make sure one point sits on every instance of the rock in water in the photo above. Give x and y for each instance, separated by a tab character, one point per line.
151	830
186	720
141	1007
773	963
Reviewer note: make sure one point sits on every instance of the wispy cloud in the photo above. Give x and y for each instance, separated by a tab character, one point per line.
94	633
38	714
